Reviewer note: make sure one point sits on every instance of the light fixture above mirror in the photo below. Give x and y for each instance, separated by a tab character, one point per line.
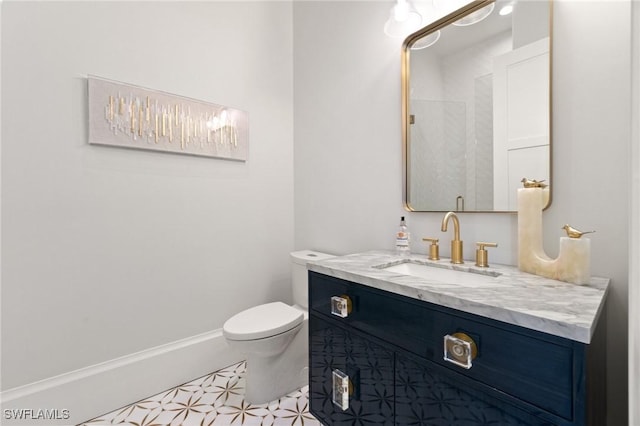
406	17
475	17
426	41
403	20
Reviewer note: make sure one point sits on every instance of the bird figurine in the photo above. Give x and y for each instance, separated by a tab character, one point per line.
532	183
575	233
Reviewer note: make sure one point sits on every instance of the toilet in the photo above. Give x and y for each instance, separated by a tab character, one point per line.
274	338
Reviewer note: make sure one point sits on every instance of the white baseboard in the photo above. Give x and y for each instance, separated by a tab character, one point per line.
81	395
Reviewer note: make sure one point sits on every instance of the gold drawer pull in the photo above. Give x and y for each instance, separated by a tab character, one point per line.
342	389
341	305
460	349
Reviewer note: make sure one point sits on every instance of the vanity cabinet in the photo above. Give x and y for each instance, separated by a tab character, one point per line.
379	359
369	366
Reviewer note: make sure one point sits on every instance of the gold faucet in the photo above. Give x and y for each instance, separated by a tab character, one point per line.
456	244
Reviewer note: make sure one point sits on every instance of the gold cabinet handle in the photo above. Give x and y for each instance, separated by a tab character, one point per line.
342	389
341	306
460	349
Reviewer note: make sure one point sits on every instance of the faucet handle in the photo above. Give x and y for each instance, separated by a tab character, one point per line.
434	250
482	256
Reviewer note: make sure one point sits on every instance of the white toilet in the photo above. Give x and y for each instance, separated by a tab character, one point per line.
274	338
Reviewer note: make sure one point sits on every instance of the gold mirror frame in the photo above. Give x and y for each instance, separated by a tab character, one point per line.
405	88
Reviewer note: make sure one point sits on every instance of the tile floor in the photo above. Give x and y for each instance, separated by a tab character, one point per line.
216	399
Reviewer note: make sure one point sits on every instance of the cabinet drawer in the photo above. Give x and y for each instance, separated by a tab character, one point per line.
426	393
368	366
516	361
390	317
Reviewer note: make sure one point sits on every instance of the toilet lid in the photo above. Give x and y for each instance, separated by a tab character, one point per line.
262	321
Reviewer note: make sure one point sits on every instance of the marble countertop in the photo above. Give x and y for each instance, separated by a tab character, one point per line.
501	292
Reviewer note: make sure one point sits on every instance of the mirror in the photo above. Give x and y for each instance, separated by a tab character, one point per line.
476	107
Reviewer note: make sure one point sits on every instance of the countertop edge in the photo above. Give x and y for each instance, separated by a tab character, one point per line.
578	331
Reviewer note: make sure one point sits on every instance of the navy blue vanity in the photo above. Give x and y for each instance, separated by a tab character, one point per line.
378	356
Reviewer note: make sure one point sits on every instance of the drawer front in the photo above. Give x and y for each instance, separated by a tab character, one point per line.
531	369
525	364
427	394
367	367
390	317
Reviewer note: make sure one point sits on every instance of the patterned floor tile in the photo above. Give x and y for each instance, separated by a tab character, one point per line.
214	400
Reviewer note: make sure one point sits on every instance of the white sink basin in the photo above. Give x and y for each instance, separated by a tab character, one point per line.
444	275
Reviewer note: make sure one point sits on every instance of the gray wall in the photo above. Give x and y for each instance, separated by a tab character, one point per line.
348	192
107	251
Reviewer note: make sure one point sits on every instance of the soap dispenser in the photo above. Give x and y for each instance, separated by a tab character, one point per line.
402	239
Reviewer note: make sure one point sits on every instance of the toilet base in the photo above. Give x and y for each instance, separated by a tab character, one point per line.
269	378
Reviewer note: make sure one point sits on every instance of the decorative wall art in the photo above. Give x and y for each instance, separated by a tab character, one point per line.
134	117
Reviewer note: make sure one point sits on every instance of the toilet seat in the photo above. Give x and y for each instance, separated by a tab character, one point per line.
262	321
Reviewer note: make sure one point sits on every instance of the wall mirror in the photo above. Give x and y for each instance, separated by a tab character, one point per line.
476	107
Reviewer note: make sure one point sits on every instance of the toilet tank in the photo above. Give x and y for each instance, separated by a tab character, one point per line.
299	274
